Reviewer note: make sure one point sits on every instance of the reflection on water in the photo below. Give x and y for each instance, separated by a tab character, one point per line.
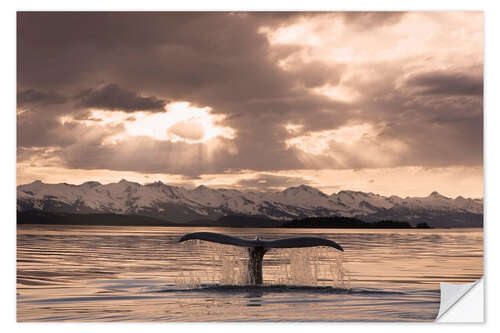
83	273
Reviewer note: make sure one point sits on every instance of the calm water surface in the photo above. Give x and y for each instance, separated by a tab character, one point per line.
87	273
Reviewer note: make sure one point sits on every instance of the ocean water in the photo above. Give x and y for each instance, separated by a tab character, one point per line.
87	273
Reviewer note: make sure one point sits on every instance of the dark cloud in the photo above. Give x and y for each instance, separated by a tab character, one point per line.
32	96
112	97
35	129
447	83
436	130
315	74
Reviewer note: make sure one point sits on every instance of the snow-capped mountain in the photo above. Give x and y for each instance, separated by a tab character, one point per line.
183	205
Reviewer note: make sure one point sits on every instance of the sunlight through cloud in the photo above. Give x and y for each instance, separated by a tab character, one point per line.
180	122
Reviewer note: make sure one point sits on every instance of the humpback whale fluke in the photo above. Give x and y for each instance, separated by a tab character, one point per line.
257	248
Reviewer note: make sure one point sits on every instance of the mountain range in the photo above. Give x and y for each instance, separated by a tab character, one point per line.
180	205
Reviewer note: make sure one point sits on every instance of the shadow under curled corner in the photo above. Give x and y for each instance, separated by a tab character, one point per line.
462	302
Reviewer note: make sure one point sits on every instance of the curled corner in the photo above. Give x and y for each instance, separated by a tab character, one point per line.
454	299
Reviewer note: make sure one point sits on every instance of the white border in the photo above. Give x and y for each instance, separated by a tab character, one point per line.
492	165
469	308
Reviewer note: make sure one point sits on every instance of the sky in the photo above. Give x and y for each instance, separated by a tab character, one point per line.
383	102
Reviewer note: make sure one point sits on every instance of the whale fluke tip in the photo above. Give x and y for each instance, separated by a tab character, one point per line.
279	243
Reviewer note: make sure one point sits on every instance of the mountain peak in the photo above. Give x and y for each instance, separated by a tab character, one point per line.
125	182
436	195
303	189
351	194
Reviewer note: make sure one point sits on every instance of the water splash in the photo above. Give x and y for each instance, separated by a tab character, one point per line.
224	265
233	266
228	266
316	266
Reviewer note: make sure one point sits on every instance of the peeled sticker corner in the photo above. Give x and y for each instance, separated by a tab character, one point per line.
461	302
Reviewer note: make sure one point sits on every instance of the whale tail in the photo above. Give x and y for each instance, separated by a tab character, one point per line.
257	248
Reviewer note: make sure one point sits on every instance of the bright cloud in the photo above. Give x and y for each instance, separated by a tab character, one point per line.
360	144
180	122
